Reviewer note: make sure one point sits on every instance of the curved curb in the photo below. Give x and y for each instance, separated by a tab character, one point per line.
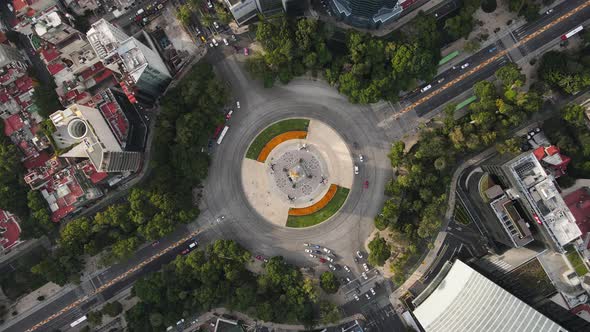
275	141
317	206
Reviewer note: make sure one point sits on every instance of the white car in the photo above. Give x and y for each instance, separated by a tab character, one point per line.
233	37
211	45
220	218
312	256
364	276
225	42
306	244
361	158
348	280
426	88
330	259
346	268
549	11
209	4
356	170
373	291
332	267
215	42
308	251
215	25
465	65
366	267
356	297
359	254
327	250
367	295
237	104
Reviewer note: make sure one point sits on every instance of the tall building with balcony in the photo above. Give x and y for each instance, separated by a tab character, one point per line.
369	14
83	132
140	66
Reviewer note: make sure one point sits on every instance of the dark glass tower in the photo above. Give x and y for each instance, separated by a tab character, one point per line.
366	13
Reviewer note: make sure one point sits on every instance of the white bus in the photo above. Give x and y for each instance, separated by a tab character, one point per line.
222	135
78	321
571	33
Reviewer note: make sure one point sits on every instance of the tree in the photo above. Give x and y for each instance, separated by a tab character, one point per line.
329	282
46	99
511	145
222	14
329	313
510	75
472	45
574	114
396	154
125	248
13	195
379	251
184	13
156	319
112	309
94	318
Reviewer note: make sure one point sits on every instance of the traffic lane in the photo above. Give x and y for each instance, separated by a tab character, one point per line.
454	72
44	312
559	29
458	88
558	11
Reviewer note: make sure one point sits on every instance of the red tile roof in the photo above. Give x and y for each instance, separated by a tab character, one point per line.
38	161
552	150
24	83
579	204
11	230
58	214
12	124
55	68
49	54
539	153
19	4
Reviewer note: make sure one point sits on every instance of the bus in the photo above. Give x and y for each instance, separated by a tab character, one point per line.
222	135
78	321
572	33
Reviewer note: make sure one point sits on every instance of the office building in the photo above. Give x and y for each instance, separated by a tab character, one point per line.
516	230
461	299
369	14
83	132
246	10
140	66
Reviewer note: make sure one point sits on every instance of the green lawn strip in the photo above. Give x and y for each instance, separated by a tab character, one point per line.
576	261
461	214
272	131
317	217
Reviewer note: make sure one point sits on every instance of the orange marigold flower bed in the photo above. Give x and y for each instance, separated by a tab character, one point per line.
317	206
278	140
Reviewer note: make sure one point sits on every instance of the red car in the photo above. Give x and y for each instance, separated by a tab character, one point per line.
217	131
246	51
228	115
322	260
366	185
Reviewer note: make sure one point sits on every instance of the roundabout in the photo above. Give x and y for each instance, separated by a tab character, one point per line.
295	176
238	175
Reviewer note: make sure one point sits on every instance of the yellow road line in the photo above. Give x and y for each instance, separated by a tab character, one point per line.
492	59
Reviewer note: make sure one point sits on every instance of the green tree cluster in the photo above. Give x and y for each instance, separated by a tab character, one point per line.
379	251
529	9
46	100
13	194
329	282
217	276
566	72
460	25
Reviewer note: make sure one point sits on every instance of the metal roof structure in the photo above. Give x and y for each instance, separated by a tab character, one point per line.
465	300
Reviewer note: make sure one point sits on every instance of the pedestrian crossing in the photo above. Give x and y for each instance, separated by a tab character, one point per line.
495	264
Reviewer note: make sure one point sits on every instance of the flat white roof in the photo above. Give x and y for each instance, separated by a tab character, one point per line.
467	301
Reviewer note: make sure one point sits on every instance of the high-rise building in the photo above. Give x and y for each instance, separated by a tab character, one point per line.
461	299
83	132
140	66
246	10
368	14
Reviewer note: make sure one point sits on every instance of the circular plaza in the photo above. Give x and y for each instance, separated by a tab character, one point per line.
297	172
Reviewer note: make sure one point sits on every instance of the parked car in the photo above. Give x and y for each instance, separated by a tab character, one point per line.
308	250
332	267
465	65
366	267
549	11
359	254
191	246
366	184
237	104
330	259
312	256
364	275
215	42
225	42
229	114
322	260
368	296
307	244
373	291
317	252
356	297
356	170
215	25
209	4
361	158
327	250
348	280
233	37
346	268
246	52
426	88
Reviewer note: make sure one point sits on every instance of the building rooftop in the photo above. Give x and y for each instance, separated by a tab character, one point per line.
579	204
9	230
540	191
515	227
465	300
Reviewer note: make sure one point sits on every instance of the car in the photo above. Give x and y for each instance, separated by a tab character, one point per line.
373	291
215	25
368	296
359	254
203	39
327	250
330	259
197	31
10	7
317	252
155	243
440	80
366	267
312	256
180	321
307	245
308	250
220	218
191	246
237	104
262	258
225	42
322	260
366	184
549	11
160	6
246	52
233	37
215	42
356	297
356	170
209	4
465	65
315	246
346	268
492	49
361	158
348	280
364	276
426	88
229	114
332	267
